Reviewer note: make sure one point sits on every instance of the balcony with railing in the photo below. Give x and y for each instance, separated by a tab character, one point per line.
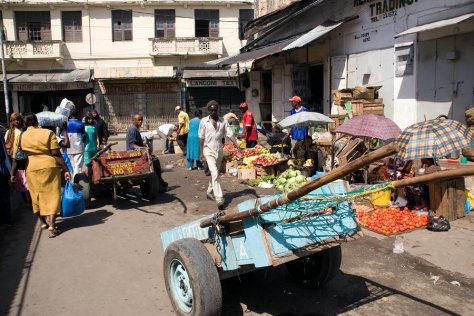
198	46
21	50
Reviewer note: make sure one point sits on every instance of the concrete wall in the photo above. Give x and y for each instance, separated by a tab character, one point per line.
365	48
97	50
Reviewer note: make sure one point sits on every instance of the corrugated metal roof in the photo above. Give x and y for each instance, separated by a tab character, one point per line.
316	33
207	73
252	55
76	75
437	24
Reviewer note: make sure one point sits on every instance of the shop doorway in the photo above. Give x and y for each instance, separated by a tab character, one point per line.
266	97
316	86
35	102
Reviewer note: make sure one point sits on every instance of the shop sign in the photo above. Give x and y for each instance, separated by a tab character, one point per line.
51	86
380	10
155	87
212	83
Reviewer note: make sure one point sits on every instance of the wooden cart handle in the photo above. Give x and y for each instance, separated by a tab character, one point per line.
103	150
436	176
335	174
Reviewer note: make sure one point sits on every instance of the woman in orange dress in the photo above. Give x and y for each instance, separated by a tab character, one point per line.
43	171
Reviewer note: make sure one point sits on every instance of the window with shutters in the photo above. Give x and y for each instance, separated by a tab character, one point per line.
33	26
165	24
122	25
245	16
72	26
206	23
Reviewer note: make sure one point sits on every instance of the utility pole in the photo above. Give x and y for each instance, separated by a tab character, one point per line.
5	88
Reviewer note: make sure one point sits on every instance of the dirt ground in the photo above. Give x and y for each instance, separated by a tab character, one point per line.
108	261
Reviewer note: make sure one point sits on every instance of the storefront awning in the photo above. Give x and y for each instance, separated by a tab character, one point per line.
436	25
288	44
76	75
251	55
208	73
316	33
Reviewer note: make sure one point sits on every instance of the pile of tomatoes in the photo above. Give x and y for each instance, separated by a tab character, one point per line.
391	220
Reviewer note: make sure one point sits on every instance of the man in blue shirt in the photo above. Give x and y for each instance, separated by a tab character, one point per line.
134	141
297	133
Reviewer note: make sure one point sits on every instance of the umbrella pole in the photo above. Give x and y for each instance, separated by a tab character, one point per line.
335	174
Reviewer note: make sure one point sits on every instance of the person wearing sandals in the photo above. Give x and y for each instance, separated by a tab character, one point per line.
43	171
12	134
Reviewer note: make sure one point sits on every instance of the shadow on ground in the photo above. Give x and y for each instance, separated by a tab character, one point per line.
133	200
18	245
273	291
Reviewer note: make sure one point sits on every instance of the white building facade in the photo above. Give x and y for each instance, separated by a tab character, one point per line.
418	51
135	57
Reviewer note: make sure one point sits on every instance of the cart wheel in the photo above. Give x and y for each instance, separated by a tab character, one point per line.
150	187
82	180
317	269
191	279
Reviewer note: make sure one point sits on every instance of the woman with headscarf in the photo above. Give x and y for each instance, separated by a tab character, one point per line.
12	134
91	139
43	171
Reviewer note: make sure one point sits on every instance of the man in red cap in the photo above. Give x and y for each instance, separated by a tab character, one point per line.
249	126
298	134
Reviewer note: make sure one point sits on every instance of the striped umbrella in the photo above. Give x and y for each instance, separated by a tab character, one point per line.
433	139
370	125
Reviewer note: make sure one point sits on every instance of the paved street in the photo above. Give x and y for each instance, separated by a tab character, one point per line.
108	261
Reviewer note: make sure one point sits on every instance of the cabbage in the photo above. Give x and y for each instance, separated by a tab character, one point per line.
282	180
291	180
300	178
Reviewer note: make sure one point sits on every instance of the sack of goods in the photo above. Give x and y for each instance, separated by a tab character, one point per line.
65	107
47	118
72	201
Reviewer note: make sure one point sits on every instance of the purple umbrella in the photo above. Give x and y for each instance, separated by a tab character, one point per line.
370	125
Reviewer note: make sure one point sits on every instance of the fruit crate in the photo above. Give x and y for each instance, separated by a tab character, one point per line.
262	171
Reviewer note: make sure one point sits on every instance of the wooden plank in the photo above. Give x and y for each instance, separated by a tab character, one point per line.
451	192
460	198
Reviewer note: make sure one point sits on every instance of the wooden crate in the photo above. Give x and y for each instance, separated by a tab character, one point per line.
338	120
448	198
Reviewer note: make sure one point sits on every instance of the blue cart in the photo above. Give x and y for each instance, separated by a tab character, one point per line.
305	235
302	229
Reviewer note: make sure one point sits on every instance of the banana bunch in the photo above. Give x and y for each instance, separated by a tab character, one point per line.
242	144
296	162
308	163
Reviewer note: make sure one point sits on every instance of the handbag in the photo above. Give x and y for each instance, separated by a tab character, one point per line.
72	201
21	157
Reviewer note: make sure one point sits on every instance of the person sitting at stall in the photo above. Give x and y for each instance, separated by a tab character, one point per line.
305	151
279	141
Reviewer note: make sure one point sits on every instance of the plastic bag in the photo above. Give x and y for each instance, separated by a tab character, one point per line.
398	246
72	202
438	224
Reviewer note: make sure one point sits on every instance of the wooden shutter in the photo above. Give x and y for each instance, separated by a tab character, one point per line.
169	32
22	33
213	29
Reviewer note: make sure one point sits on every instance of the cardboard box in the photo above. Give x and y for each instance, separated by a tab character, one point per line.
246	174
230	165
